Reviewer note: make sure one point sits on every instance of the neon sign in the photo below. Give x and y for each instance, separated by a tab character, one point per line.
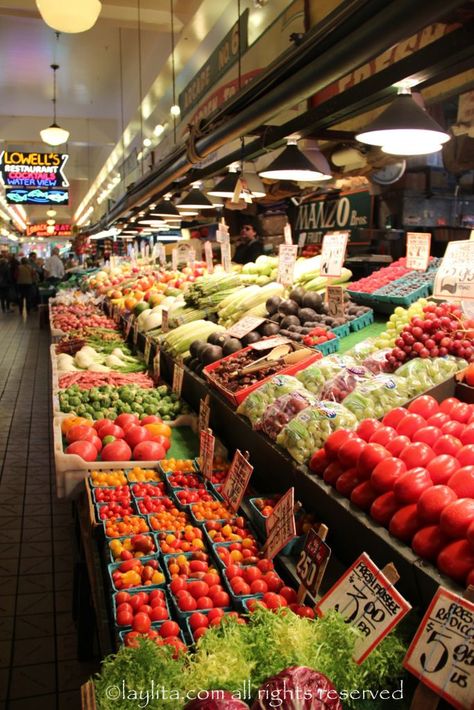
30	170
37	196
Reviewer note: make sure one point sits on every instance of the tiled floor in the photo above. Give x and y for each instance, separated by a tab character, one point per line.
38	657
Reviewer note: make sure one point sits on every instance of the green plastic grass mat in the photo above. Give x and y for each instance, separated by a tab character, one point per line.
371	331
184	444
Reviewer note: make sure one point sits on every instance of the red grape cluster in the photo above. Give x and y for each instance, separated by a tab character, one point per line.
440	332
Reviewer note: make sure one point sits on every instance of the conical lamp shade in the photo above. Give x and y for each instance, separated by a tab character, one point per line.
226	186
165	208
291	164
195	200
69	15
404	128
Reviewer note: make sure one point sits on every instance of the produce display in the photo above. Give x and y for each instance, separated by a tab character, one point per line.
87	358
67	318
282	410
394	279
109	402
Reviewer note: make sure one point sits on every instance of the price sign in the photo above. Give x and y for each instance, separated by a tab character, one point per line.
178	373
162	254
302	240
156	365
333	253
245	325
222	234
287	254
441	654
368	600
116	314
270	343
147	352
165	320
208	255
418	250
174	259
204	413
192	257
455	276
287	236
206	453
236	481
312	562
280	525
335	301
135	332
225	256
471	236
468	308
128	326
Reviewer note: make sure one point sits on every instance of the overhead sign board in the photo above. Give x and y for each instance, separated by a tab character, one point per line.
350	212
36	196
30	170
41	230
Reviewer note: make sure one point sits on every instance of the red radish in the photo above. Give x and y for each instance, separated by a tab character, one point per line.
404	524
428	542
410	424
447	444
417	454
332	473
462	482
456	560
335	441
367	427
394	417
350	451
410	485
433	501
465	456
457	517
363	495
427	435
425	406
442	467
369	458
318	462
346	483
386	473
395	446
384	508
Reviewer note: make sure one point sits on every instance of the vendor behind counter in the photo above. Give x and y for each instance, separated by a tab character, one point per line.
250	245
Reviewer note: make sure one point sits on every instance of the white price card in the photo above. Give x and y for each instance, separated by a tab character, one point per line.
208	255
287	236
270	343
178	374
191	257
280	525
156	365
162	254
335	301
174	259
225	256
368	600
206	453
165	320
146	354
135	332
455	276
441	654
312	561
471	236
222	234
236	481
204	414
244	326
128	326
302	239
287	254
333	253
418	250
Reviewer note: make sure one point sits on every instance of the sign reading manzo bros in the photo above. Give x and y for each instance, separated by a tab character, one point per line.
350	212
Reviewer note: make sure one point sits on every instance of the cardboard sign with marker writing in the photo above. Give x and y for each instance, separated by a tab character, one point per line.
236	481
165	320
270	343
208	255
128	326
245	325
368	600
178	374
204	413
418	250
335	301
280	525
302	240
146	354
225	256
222	234
156	365
455	276
312	561
441	654
206	453
135	332
333	253
287	254
287	236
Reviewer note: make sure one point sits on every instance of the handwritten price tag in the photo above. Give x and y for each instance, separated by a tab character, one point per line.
333	253
245	325
455	276
178	374
280	525
206	453
270	343
368	600
174	259
418	250
165	320
236	481
128	326
208	255
147	352
135	332
312	562
156	365
287	254
204	413
287	236
441	654
225	256
222	234
335	301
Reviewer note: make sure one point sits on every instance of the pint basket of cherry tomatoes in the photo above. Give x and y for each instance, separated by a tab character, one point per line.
137	573
190	594
131	546
167	633
199	622
130	609
189	539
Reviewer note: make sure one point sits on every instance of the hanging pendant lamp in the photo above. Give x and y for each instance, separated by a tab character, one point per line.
195	200
226	186
69	15
292	164
54	135
165	208
404	128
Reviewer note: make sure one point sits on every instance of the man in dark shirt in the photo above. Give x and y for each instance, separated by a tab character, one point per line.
250	248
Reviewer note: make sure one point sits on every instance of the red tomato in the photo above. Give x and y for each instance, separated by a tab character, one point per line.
346	483
111	430
438	420
350	451
410	485
187	603
447	405
97	443
404	523
335	441
426	406
318	462
367	427
122	597
211	579
467	436
251	573
461	412
363	495
369	458
394	417
470	535
456	560
289	594
101	422
273	601
383	435
124	618
410	424
169	628
447	444
384	507
428	542
136	434
148	451
124	420
432	502
80	432
442	467
141	623
457	517
465	456
273	581
150	419
453	428
177	584
159	613
462	482
200	631
132	639
332	472
395	446
215	613
118	450
417	454
198	620
239	586
258	586
385	474
162	440
197	589
427	435
84	449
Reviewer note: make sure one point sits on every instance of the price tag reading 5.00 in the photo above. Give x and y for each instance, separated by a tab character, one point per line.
369	601
441	655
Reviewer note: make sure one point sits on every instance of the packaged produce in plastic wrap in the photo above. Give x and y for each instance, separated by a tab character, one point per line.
255	404
377	396
283	410
362	350
377	361
317	375
345	382
310	428
423	373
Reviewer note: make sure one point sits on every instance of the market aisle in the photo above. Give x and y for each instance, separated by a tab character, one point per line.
38	657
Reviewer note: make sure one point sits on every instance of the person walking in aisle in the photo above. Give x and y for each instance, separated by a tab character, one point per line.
25	281
6	283
54	267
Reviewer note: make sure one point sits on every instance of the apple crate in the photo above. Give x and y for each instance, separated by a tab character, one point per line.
362	321
134	593
141	587
127	537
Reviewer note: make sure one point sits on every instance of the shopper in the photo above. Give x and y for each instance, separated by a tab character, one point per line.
251	246
25	281
6	283
39	276
54	267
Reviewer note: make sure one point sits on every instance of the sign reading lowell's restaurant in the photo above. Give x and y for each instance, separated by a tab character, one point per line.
33	169
348	212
